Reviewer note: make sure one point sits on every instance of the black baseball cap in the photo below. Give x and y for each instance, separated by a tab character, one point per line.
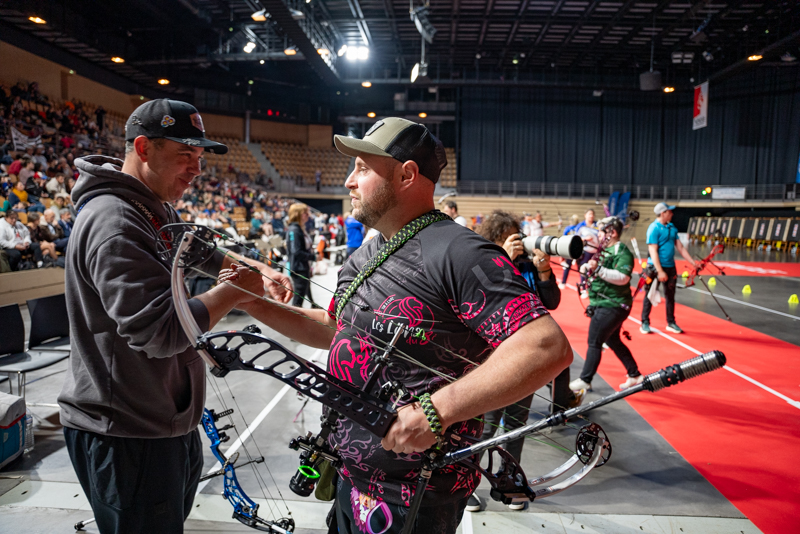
402	140
173	120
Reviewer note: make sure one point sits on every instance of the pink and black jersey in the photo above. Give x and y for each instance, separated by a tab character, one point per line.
456	297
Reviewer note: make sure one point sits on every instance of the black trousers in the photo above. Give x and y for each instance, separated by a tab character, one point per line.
560	393
669	296
137	485
513	416
302	288
391	518
604	327
15	256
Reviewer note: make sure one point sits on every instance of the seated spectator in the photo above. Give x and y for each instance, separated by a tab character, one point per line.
39	157
56	185
15	239
277	223
65	222
27	170
35	188
59	205
204	219
51	231
19	200
49	255
6	185
16	165
256	223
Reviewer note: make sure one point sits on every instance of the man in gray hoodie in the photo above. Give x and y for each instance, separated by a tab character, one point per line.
135	388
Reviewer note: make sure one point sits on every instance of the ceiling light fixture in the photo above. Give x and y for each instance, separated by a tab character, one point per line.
259	16
117	59
366	84
419	72
290	51
261	62
163	81
420	17
363	53
788	57
342	51
249	47
323	51
669	89
423	115
371	114
754	57
682	57
37	20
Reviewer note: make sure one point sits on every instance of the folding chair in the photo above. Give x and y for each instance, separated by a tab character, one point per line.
49	324
13	357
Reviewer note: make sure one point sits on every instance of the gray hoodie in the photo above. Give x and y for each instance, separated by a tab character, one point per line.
132	372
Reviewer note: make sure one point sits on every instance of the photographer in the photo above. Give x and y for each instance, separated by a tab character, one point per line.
609	305
503	229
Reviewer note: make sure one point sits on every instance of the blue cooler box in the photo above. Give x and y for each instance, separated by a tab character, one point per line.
12	428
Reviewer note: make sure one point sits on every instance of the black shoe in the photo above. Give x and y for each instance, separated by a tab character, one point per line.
473	504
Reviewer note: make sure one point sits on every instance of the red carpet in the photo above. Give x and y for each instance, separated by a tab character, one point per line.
747	268
742	438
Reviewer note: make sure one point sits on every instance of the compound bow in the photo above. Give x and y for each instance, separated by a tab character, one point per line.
222	351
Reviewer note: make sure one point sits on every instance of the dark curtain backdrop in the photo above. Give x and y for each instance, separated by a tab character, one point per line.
636	138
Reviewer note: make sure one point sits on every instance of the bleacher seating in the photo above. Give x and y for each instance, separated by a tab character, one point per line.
238	157
448	177
302	162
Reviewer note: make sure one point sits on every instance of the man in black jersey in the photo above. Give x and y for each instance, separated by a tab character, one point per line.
474	336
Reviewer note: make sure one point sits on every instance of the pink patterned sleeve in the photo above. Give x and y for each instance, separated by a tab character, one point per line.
489	294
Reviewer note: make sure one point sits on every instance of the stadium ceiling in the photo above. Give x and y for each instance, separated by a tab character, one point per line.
200	43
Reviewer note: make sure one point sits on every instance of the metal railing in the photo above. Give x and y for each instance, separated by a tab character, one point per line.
765	192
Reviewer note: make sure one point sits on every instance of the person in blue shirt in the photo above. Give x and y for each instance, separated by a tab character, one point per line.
587	231
355	234
662	241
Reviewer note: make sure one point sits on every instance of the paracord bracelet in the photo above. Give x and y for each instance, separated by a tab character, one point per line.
432	417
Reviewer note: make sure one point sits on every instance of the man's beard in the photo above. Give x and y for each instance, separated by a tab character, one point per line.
369	213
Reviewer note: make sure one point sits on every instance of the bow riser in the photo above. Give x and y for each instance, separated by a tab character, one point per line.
245	509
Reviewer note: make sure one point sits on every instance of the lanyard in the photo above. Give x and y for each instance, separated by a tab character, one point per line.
390	247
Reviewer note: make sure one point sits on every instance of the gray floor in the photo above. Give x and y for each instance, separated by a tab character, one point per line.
645	477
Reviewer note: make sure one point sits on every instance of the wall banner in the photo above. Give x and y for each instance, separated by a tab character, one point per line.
700	106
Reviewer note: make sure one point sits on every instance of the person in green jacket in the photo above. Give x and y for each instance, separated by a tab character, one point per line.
610	302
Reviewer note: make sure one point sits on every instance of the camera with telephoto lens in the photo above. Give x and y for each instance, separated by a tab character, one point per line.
566	246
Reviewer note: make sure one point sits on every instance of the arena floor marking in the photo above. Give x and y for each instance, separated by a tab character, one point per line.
257	421
739	436
768	389
737	301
